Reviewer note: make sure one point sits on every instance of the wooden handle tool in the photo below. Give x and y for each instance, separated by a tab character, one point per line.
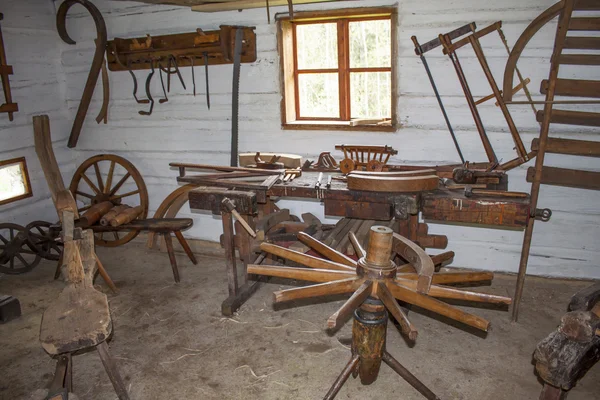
230	207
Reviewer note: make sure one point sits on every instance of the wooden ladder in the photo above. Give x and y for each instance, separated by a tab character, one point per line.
568	37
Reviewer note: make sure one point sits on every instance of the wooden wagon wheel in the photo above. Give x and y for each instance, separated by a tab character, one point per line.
17	255
43	237
347	165
129	189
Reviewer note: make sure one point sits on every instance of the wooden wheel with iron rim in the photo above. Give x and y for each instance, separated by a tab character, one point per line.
347	165
42	236
17	255
374	166
107	177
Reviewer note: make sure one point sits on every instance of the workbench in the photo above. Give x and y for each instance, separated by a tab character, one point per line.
257	208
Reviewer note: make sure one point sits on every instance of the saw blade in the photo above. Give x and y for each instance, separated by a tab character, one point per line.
237	60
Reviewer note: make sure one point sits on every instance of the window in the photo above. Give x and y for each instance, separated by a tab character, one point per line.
338	69
14	180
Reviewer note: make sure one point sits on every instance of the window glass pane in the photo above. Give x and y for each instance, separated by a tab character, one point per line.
319	95
317	46
12	182
370	44
371	94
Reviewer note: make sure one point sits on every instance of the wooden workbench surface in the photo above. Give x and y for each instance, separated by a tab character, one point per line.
442	205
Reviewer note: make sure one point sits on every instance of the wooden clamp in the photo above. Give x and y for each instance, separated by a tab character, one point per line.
5	71
217	45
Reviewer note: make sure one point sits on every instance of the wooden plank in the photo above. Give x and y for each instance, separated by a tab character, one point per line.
359	209
587	5
574	87
567	177
581	118
569	146
506	213
579	59
584	24
245	4
583	43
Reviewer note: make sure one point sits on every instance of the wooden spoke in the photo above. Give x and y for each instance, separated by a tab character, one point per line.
119	184
322	289
451	293
325	250
111	171
304	259
90	183
99	177
358	249
3	239
304	274
392	305
439	307
445	278
350	305
89	196
116	235
438	260
120	196
20	257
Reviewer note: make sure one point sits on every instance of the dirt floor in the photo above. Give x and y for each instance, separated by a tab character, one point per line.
171	341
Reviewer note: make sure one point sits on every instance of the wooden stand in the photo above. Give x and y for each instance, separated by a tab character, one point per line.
80	318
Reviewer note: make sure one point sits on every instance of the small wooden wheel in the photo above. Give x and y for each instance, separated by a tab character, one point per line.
374	166
129	189
17	255
347	166
42	236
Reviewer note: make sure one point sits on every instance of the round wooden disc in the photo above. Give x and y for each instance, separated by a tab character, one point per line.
347	166
375	166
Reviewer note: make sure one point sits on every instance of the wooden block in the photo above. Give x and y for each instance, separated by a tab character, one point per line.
569	146
567	177
210	198
358	209
573	87
581	118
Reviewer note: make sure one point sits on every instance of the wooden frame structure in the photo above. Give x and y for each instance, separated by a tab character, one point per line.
287	48
25	176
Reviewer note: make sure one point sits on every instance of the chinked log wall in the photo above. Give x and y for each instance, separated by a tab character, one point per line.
183	130
33	49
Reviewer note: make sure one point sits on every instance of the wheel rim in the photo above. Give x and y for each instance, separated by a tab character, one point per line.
16	259
107	177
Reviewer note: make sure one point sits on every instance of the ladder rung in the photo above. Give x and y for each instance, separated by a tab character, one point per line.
579	59
584	24
567	177
573	87
573	147
582	43
571	117
587	5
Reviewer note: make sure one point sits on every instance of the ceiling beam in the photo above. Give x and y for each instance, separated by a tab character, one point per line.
245	4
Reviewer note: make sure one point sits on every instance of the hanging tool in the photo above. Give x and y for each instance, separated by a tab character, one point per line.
169	72
150	99
5	71
268	13
191	58
235	104
205	54
130	70
162	84
90	84
420	51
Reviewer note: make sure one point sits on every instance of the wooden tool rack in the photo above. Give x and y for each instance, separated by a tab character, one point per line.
256	205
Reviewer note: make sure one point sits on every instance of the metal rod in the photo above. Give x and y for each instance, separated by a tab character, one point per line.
408	377
339	382
437	96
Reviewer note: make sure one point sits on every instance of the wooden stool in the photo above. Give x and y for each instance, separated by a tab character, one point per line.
80	317
164	227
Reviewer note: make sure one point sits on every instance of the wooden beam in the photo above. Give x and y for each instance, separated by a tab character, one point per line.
567	177
245	4
586	148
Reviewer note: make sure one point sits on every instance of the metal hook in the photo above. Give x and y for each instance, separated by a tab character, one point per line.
162	83
148	80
